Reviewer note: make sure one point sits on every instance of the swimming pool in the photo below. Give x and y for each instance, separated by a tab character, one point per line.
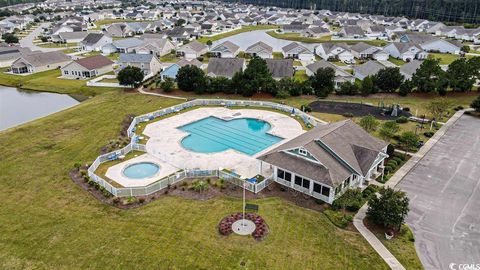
141	170
212	134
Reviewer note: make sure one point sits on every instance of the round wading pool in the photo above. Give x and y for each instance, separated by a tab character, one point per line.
141	170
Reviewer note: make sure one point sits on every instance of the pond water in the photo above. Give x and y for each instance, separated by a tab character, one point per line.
20	106
246	39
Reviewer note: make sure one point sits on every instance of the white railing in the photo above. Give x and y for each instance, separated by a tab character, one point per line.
187	173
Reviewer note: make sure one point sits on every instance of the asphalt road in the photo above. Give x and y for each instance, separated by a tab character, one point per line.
444	192
27	41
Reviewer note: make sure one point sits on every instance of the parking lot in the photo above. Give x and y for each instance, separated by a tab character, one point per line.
444	192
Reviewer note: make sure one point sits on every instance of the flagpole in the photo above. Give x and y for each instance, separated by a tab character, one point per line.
243	219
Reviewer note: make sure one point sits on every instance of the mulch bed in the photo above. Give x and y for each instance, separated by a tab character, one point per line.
179	189
354	109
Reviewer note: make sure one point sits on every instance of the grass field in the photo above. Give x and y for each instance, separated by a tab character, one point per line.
48	81
444	58
100	23
49	222
396	61
238	31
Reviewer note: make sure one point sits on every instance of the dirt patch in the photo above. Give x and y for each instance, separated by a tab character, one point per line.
354	109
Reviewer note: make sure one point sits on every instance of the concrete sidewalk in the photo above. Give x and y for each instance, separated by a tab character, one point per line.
386	255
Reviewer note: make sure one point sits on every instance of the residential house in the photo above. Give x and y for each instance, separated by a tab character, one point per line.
369	68
335	51
71	37
296	51
87	67
316	32
226	49
431	44
8	54
94	42
408	69
225	67
351	32
341	75
158	47
172	70
126	45
192	50
327	160
406	51
38	62
362	50
280	68
148	63
260	49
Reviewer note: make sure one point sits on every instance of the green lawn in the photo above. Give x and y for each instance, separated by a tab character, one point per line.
300	75
99	23
169	58
396	61
57	45
445	58
277	55
48	81
49	222
238	31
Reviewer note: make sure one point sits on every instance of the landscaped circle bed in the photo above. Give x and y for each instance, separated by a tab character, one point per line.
261	228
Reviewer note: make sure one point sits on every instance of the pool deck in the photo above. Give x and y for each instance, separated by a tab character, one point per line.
165	140
164	147
116	172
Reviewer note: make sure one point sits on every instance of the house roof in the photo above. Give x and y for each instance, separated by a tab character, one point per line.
127	43
227	45
225	67
260	47
92	38
353	31
313	67
411	67
295	47
73	35
94	62
185	62
44	58
135	58
280	68
194	46
341	148
369	68
362	47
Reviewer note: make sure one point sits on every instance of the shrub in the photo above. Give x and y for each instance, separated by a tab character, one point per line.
398	160
306	108
141	199
200	186
116	200
368	191
407	109
337	218
390	150
77	165
399	156
388	169
428	134
351	200
391	161
402	120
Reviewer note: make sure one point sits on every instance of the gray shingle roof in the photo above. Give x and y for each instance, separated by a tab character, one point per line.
341	148
369	68
92	38
135	58
224	67
280	68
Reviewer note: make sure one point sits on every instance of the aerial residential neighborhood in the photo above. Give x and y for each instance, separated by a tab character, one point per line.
252	134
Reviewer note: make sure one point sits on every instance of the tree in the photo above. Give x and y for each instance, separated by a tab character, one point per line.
180	22
409	141
209	43
388	79
474	66
130	76
348	88
438	107
9	38
219	84
405	88
389	209
191	79
369	123
288	86
257	78
476	104
465	48
322	81
460	76
367	87
167	84
427	75
388	129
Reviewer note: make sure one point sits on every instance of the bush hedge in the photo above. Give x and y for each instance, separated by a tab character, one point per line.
402	120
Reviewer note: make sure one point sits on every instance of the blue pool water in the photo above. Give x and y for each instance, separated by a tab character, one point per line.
212	134
141	170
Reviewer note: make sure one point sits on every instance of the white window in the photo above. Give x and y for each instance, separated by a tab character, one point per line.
303	152
65	72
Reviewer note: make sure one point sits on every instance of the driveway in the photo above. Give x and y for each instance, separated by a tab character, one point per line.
27	41
444	192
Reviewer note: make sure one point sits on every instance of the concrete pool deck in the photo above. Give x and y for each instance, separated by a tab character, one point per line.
165	140
116	172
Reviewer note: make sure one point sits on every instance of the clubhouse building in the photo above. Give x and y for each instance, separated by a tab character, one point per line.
327	160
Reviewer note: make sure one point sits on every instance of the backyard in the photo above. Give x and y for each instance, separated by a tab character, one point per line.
61	220
249	28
